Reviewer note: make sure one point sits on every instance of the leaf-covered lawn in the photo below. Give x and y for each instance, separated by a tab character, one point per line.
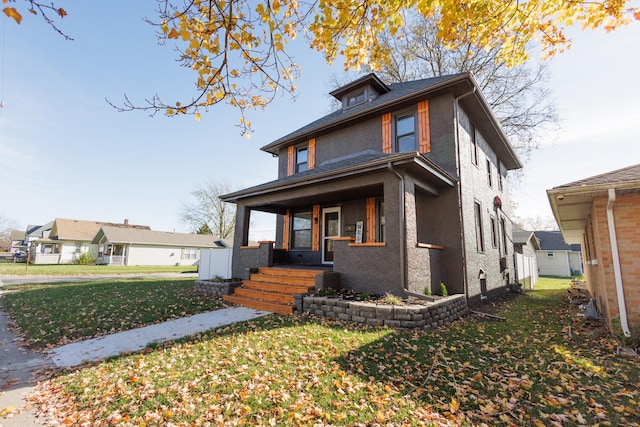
20	269
304	371
58	313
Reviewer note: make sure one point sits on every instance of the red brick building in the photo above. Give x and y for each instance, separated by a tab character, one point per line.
602	213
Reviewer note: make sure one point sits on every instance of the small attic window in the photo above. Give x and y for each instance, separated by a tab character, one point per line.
355	98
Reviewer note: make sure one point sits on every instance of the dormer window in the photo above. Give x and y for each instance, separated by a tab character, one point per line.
355	98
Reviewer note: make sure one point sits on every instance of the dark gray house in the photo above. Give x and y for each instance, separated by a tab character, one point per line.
403	188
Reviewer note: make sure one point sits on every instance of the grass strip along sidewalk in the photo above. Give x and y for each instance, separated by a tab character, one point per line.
58	313
21	269
305	371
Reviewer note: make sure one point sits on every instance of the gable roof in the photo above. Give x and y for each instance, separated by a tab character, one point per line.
17	235
38	230
79	230
553	241
111	234
522	237
571	203
409	93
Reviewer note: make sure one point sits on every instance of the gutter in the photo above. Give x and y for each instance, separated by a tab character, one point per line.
622	308
403	223
460	210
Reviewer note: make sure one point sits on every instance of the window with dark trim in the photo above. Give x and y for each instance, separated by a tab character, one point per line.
355	98
494	232
479	232
489	174
301	230
380	219
302	159
500	183
503	225
405	132
474	145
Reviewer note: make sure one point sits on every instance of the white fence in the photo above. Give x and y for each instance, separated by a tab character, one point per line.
527	268
215	262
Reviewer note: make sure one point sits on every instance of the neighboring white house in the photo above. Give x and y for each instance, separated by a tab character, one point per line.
556	257
67	239
525	245
146	247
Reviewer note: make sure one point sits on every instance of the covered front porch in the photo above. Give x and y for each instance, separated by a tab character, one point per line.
383	226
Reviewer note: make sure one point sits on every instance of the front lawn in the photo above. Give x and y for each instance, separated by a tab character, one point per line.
541	367
21	269
57	313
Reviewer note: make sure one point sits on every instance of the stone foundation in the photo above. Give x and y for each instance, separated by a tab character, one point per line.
215	288
425	315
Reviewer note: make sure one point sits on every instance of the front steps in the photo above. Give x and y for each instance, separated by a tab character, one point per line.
273	289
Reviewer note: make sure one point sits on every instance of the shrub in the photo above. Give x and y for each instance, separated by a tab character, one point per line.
443	289
391	299
427	291
85	259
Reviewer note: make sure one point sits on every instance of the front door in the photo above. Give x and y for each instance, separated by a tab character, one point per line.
330	229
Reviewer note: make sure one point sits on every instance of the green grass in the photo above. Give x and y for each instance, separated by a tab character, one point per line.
21	269
53	314
543	366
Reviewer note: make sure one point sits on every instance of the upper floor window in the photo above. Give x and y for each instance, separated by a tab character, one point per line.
479	232
406	133
355	98
302	159
474	145
489	174
500	183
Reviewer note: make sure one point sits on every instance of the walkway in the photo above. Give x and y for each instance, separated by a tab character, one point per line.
21	369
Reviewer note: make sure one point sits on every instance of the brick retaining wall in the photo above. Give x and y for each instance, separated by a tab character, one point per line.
424	315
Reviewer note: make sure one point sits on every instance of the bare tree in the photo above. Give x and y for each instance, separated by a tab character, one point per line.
207	211
6	226
517	95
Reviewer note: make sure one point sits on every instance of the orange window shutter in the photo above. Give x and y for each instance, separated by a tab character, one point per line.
386	134
315	229
371	219
290	160
312	153
286	226
423	127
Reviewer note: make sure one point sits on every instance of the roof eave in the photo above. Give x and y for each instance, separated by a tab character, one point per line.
382	163
273	147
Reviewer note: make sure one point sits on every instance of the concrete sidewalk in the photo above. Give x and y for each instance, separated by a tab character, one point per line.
19	368
137	339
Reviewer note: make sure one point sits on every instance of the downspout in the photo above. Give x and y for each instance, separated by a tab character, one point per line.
460	210
616	263
403	220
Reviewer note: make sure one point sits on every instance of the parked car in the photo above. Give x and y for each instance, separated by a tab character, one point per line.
20	256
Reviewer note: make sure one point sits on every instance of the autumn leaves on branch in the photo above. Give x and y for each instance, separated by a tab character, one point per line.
238	48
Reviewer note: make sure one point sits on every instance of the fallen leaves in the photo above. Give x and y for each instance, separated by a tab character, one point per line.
303	371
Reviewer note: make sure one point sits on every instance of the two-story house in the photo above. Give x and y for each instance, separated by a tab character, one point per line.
400	190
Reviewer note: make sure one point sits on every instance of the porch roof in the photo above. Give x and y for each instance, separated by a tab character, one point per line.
346	167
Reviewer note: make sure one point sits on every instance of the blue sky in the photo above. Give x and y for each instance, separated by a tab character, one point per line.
64	152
